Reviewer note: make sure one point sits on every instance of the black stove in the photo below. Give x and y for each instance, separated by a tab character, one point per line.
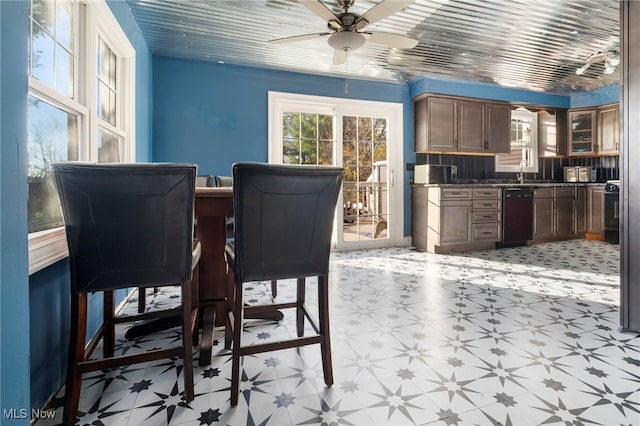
612	211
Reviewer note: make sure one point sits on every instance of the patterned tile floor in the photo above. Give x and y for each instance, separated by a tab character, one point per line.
520	336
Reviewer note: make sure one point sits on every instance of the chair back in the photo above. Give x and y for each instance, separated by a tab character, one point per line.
284	219
127	225
224	181
204	180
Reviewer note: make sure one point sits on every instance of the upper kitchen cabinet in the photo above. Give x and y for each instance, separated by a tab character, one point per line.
608	129
582	132
446	124
552	133
594	131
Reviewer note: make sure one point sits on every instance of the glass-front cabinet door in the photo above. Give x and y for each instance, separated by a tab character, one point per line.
582	132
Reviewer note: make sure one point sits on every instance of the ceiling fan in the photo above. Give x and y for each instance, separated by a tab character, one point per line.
345	29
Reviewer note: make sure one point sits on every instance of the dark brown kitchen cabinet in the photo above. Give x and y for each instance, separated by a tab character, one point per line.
440	137
582	132
552	133
608	129
446	124
498	128
594	131
470	126
543	214
595	210
558	212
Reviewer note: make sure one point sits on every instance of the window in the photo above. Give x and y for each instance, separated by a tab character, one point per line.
307	138
80	62
524	144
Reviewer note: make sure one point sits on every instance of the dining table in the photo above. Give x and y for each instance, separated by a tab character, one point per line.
213	205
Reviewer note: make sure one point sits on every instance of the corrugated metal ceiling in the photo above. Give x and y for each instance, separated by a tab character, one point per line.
529	44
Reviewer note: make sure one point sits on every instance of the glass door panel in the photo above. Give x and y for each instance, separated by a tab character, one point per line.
365	192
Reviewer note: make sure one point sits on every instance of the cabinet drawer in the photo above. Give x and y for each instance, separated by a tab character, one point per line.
456	193
487	204
543	193
493	193
486	217
486	232
565	191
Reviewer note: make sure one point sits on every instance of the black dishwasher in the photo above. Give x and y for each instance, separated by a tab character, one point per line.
517	216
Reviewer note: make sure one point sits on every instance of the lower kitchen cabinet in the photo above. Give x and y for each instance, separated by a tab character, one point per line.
543	213
595	210
558	212
459	218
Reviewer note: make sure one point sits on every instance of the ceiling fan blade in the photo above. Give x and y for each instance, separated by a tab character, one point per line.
339	57
381	11
395	41
298	38
319	8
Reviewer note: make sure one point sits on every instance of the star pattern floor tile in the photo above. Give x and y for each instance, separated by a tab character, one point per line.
518	336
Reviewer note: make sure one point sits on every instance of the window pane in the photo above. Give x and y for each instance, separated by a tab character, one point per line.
43	13
63	23
42	56
309	151
106	83
52	136
291	151
349	129
364	129
108	147
64	72
291	125
309	126
325	127
325	153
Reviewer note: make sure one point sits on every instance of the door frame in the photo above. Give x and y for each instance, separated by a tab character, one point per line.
339	107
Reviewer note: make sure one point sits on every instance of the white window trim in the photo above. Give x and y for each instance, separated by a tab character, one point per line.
279	101
533	167
50	246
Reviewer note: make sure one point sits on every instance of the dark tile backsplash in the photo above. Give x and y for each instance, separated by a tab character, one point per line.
551	169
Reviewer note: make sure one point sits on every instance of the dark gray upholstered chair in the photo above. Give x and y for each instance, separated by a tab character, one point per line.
127	225
284	220
204	180
201	181
228	181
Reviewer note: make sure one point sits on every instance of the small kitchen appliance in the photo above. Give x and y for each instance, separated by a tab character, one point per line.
434	173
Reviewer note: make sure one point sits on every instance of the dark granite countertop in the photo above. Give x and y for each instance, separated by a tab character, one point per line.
505	184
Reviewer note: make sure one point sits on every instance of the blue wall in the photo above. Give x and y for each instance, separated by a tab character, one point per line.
602	96
14	285
216	114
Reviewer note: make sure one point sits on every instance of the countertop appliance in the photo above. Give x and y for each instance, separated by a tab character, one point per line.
579	174
435	173
517	216
612	211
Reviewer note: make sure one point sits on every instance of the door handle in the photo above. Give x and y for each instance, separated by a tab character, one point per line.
392	178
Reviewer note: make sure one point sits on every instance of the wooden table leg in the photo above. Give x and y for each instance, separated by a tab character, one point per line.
211	232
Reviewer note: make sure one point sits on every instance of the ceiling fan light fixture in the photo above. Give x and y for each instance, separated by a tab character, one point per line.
346	40
583	68
609	68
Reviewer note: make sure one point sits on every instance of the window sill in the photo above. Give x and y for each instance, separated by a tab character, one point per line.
46	248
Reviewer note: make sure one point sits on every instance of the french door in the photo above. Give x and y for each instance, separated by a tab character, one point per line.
365	138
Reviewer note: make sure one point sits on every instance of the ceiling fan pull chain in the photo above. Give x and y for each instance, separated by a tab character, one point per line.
346	73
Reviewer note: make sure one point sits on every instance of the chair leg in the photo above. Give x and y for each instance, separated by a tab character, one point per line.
142	299
108	312
231	289
300	302
238	311
77	336
274	288
323	314
187	340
